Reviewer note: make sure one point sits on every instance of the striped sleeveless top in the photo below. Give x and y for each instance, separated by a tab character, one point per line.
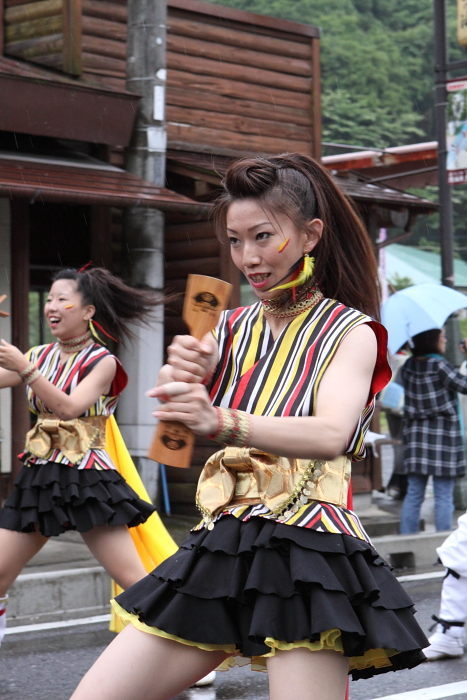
281	377
66	377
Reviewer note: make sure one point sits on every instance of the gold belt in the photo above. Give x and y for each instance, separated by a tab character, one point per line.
246	476
72	437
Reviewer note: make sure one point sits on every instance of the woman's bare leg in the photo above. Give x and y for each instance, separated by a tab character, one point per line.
16	549
114	549
300	674
141	666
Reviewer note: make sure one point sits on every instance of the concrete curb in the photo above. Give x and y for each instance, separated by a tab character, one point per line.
410	550
49	596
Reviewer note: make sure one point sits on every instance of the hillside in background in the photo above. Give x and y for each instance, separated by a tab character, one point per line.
377	80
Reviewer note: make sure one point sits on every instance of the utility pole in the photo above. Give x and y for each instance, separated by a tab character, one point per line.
143	226
442	68
445	190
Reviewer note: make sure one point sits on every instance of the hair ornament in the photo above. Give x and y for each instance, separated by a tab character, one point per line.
307	266
85	267
283	245
92	328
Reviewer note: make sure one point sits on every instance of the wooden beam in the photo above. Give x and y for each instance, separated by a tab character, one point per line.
2	20
237	123
19	319
249	19
233	71
218	51
72	33
246	38
316	99
218	138
231	105
239	89
33	29
33	10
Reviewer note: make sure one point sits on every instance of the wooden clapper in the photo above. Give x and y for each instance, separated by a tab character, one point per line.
205	299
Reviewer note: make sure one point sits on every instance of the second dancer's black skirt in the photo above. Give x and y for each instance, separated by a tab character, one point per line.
249	588
54	498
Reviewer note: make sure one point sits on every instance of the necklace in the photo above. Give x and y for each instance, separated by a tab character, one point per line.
276	308
76	344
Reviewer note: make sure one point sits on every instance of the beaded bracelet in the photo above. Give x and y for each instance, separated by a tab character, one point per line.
234	427
29	374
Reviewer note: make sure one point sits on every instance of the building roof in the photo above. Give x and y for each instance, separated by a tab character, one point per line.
52	179
210	168
415	165
420	265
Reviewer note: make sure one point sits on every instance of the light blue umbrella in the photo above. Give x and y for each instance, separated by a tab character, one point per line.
417	309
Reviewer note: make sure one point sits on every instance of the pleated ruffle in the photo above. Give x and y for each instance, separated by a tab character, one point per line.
57	498
258	586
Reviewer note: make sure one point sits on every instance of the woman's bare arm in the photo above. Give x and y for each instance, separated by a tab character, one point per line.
342	395
9	379
64	406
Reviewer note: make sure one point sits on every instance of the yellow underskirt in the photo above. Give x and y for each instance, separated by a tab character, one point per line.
329	640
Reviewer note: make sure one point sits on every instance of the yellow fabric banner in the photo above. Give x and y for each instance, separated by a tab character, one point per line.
152	541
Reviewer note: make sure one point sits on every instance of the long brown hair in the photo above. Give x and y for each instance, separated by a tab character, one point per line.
116	303
298	186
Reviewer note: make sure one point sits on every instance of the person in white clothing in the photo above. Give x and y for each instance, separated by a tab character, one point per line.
448	639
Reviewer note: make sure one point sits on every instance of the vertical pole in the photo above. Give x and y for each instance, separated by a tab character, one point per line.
445	190
20	416
144	227
446	227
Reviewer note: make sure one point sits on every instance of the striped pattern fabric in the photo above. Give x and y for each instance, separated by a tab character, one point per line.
67	377
281	377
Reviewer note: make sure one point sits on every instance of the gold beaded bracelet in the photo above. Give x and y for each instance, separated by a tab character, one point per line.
29	374
234	427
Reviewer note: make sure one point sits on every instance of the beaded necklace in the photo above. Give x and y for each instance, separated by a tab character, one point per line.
275	307
76	344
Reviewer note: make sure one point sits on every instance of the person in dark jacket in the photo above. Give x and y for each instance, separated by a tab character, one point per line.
433	440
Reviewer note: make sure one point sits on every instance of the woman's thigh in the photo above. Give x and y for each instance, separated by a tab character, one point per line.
142	666
16	549
300	674
113	547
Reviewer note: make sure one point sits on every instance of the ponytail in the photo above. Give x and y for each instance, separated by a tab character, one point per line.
116	303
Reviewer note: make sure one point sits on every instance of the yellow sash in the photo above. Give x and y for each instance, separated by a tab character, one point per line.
152	541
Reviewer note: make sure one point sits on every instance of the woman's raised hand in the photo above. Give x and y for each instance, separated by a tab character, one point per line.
188	403
191	359
11	358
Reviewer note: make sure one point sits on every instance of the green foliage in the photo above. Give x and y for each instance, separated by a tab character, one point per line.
399	282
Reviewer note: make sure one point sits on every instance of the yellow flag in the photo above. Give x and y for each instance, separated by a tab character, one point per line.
152	541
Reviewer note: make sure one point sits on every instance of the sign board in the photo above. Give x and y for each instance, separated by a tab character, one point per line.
462	22
456	131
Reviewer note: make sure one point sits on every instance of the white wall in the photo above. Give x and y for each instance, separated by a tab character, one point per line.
5	331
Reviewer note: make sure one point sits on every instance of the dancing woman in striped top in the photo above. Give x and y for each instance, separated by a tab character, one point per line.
68	480
280	572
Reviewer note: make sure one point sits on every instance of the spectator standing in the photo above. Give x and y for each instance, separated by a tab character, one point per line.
433	441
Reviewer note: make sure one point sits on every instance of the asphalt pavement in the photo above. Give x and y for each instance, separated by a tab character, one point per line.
47	665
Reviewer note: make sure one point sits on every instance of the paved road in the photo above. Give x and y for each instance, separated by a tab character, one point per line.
48	665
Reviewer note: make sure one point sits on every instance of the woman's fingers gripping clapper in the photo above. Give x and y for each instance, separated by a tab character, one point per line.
190	359
186	403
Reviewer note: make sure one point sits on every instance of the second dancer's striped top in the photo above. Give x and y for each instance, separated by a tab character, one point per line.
281	377
66	377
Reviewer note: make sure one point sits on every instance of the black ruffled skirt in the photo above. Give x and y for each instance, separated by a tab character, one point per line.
250	588
57	498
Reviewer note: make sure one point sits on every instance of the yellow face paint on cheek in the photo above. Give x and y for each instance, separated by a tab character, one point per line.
70	306
283	245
